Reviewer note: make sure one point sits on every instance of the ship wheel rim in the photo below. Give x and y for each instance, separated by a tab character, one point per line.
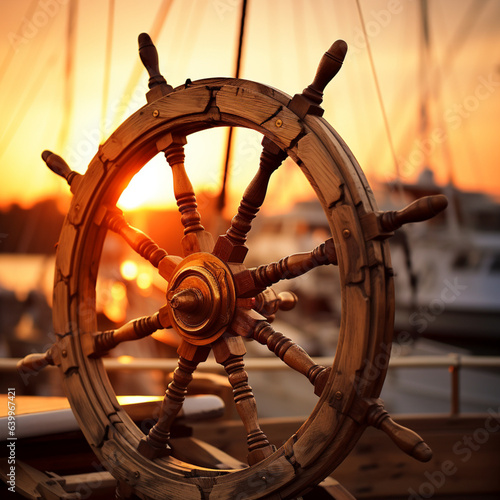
345	196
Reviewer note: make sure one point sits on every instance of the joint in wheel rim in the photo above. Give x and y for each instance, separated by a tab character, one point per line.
203	292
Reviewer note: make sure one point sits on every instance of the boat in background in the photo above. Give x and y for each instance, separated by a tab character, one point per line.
448	269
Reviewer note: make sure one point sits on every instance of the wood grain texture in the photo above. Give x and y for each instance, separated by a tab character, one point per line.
257	108
327	436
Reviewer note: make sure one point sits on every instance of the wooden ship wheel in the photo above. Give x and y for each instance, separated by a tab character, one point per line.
213	301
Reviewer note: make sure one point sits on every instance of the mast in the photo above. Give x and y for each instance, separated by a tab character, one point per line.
425	80
221	202
430	86
69	78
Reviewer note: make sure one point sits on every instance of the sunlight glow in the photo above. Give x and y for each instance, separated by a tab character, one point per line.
144	280
112	299
350	102
129	270
167	337
125	359
151	187
118	291
115	311
130	400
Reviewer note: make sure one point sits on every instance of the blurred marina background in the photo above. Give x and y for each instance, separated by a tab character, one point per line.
417	101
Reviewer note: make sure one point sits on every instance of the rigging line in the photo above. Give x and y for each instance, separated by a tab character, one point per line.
380	100
25	95
240	40
452	49
24	87
22	109
455	224
300	41
467	23
16	74
222	196
425	80
107	68
465	130
10	54
432	88
68	74
122	104
182	35
460	36
187	38
271	36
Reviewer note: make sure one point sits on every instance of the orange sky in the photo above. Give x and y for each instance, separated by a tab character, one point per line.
285	39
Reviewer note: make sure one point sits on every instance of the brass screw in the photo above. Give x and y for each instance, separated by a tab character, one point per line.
346	233
338	395
64	353
279	122
156	113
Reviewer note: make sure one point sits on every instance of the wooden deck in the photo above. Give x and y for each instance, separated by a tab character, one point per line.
466	462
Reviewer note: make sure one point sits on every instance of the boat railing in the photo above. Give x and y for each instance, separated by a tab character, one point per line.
453	362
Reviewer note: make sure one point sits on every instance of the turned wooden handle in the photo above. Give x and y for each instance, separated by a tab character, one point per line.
33	363
133	330
149	57
406	440
420	210
268	302
328	67
287	301
58	165
139	241
295	265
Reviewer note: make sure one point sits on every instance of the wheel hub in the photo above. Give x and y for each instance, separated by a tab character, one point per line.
202	298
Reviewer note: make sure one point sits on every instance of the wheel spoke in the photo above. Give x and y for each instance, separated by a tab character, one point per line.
138	241
231	246
196	238
251	325
229	352
156	443
103	342
35	362
269	302
251	282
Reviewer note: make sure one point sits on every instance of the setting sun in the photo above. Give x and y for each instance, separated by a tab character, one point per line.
231	213
151	187
38	115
